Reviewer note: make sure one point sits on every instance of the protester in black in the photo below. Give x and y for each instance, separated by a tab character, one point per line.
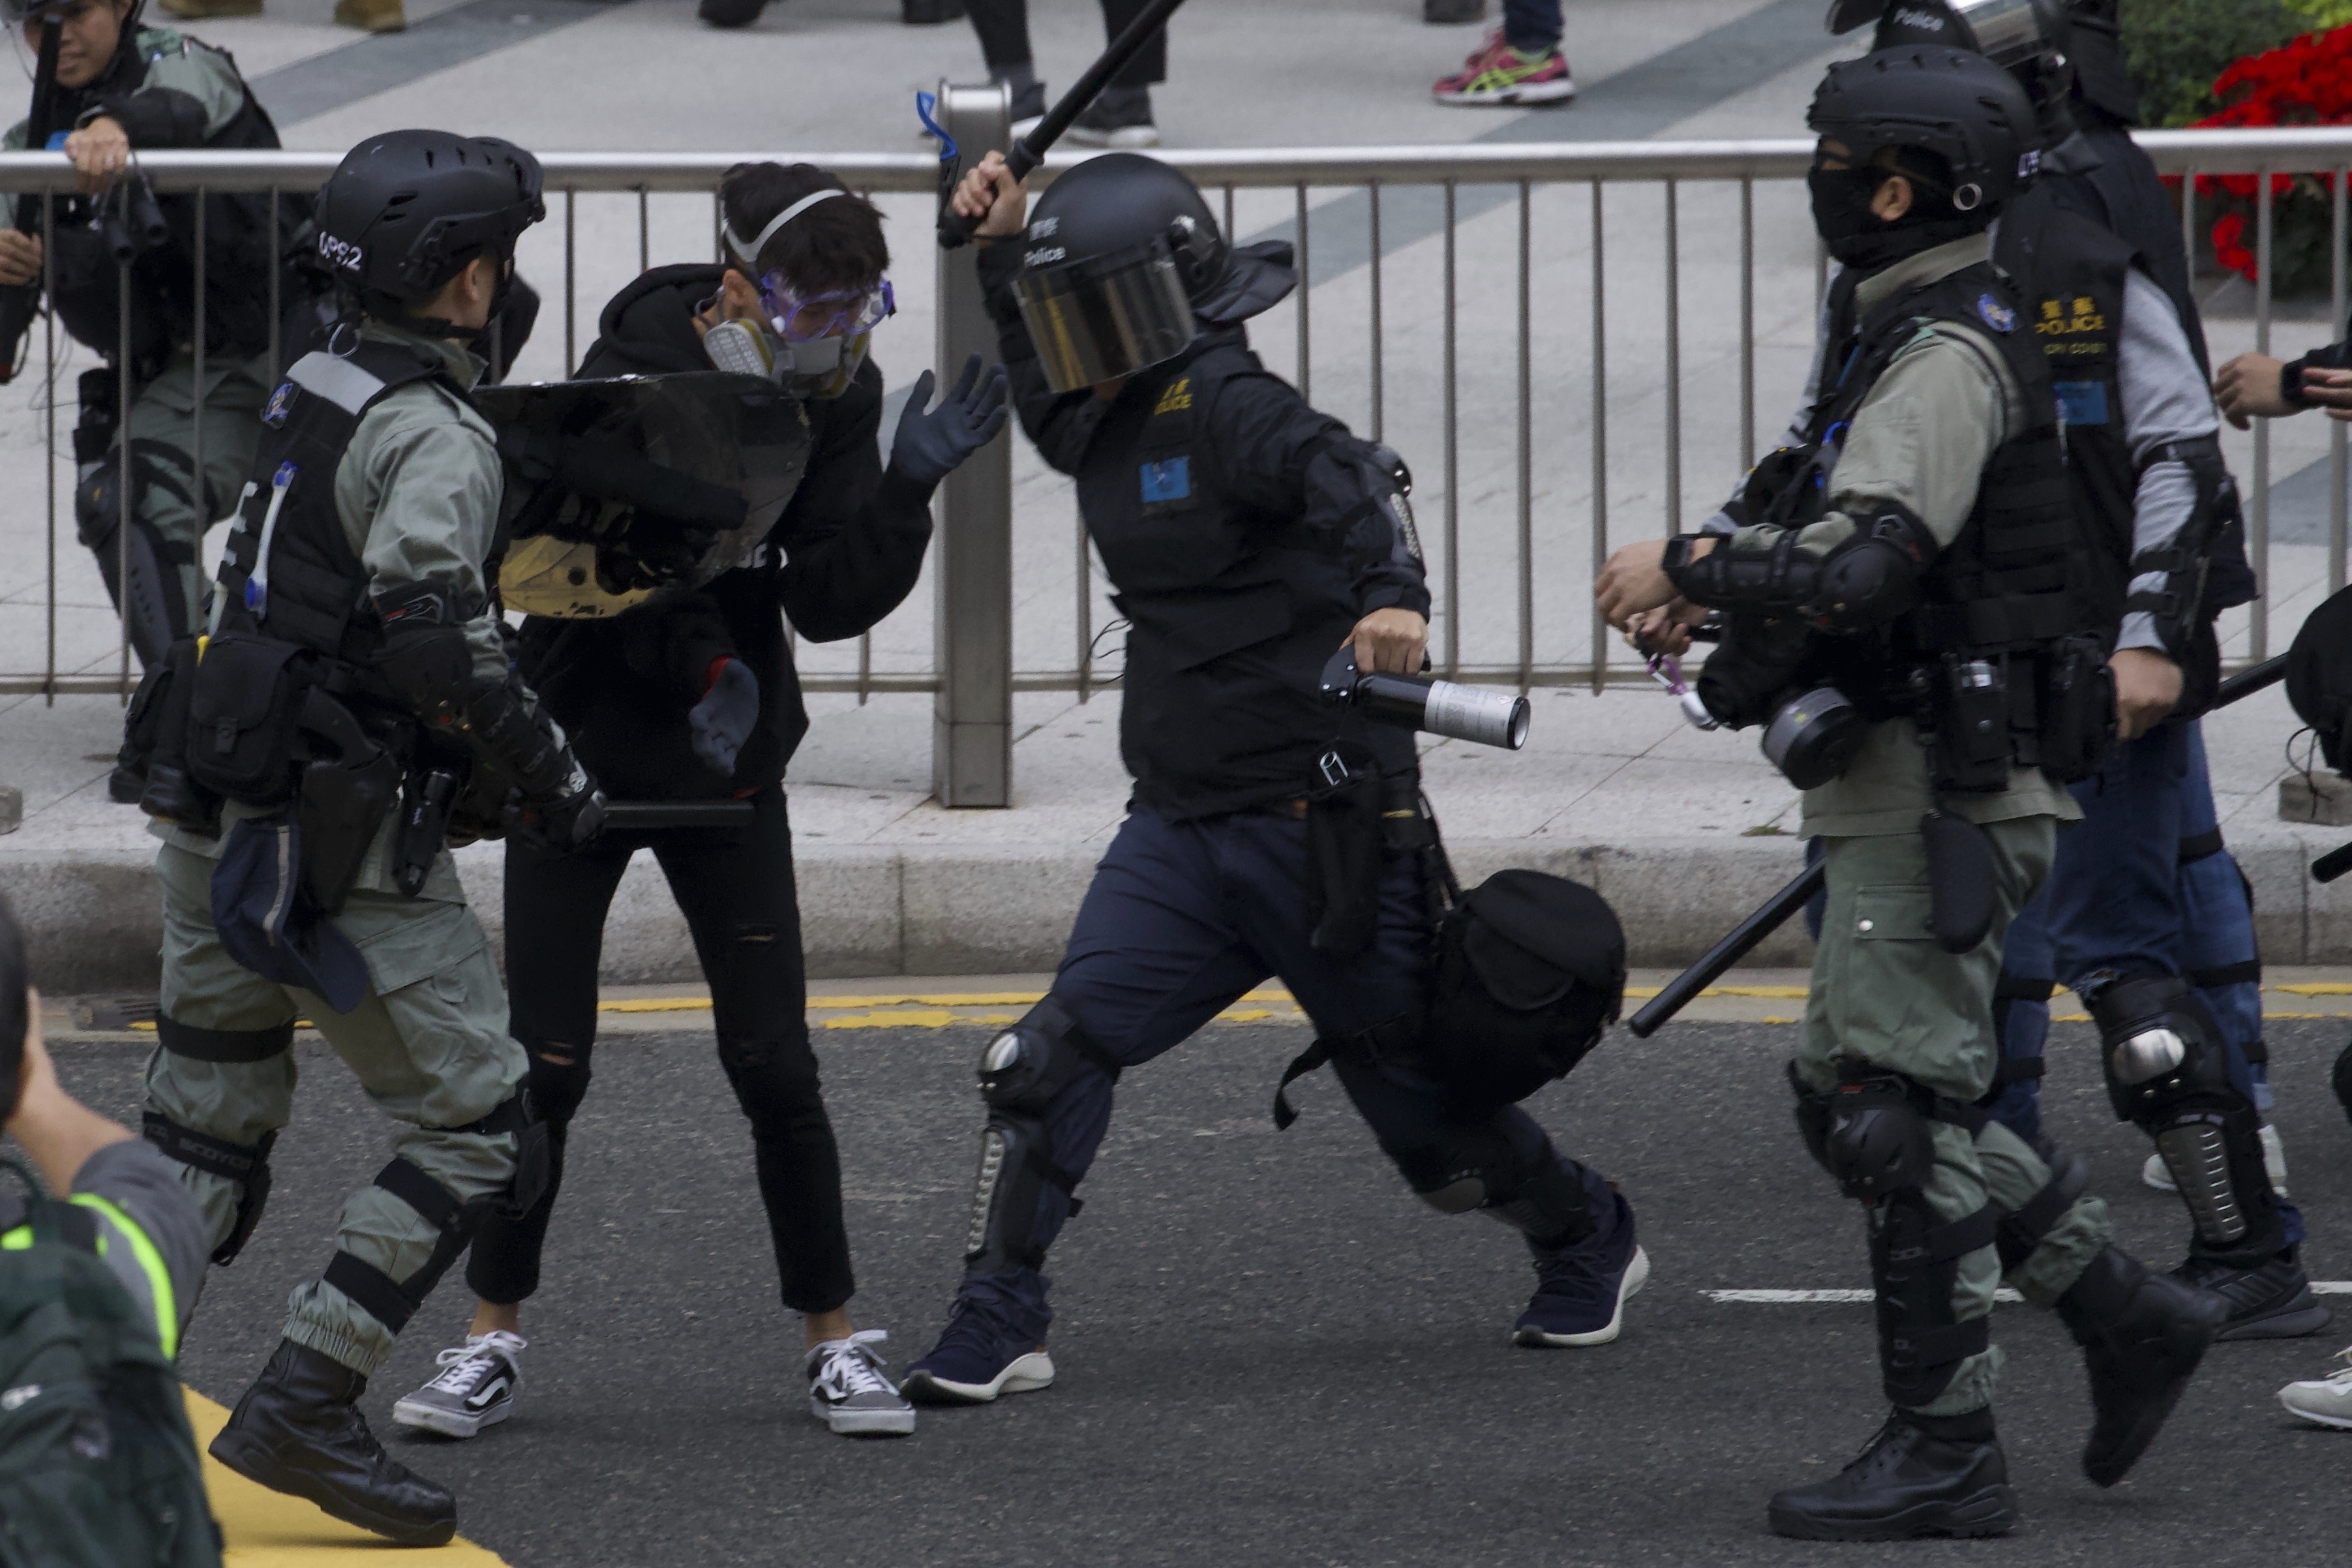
698	700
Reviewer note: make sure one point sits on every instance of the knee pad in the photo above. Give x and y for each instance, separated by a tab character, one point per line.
247	1164
2168	1072
1021	1072
1914	1263
142	571
1542	1197
1873	1133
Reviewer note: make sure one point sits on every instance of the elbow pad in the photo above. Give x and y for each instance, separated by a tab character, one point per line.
426	664
2204	567
1868	579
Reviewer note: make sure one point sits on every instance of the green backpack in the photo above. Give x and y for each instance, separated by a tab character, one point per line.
98	1467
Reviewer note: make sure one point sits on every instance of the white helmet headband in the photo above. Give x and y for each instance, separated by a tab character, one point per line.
749	254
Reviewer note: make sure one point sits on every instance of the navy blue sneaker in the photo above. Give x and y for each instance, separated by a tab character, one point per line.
1580	1290
979	1356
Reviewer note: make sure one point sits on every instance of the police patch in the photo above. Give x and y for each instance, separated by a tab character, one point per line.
1168	481
1997	316
280	401
2083	402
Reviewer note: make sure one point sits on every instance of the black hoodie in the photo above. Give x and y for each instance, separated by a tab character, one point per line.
843	554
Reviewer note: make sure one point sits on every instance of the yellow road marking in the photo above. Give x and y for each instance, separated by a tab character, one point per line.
263	1529
903	999
2318	988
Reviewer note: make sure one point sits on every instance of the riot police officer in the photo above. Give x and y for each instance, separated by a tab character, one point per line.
120	88
1903	617
2145	916
1249	536
354	635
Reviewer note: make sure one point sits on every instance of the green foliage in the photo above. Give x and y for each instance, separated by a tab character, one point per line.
2322	15
2177	46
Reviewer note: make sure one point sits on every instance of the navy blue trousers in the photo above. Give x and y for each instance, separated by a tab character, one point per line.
2121	896
1183	919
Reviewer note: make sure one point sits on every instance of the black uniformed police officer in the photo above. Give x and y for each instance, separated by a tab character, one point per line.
1247	537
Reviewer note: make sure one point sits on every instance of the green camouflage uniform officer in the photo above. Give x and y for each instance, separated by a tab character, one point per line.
381	575
1902	619
121	90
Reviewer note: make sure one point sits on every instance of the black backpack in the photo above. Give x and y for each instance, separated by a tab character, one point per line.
97	1466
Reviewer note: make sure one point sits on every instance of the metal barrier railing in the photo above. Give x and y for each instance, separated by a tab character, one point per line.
1445	225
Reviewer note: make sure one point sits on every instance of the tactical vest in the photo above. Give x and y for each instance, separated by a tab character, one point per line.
1999	603
237	251
2070	274
1233	609
311	588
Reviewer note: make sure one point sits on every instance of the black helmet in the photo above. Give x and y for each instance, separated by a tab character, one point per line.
1958	105
2102	76
405	210
2027	39
1122	256
2320	677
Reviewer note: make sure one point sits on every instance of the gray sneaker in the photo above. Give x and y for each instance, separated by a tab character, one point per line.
475	1388
848	1393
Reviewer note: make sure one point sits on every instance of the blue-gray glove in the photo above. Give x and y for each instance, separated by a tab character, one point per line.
928	445
722	721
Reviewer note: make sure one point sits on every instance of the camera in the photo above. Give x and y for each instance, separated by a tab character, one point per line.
1441	707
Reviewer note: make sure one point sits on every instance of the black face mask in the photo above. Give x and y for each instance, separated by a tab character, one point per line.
1863	241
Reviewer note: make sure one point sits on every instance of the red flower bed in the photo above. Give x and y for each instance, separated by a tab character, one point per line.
2306	82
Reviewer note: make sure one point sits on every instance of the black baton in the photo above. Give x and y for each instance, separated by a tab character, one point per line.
1739	944
1030	150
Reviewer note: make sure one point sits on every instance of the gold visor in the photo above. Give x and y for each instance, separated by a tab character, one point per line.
1096	321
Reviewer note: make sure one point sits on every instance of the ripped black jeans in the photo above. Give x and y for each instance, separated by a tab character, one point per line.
735	888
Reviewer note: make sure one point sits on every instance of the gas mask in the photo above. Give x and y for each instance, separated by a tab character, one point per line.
812	369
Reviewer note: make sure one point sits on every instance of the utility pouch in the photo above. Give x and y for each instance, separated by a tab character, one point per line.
424	802
2077	708
344	797
1529	969
152	769
1344	841
1971	750
1960	880
243	712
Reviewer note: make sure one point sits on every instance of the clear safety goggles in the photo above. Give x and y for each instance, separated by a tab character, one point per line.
800	318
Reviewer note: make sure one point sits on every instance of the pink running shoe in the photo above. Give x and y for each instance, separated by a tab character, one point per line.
1498	74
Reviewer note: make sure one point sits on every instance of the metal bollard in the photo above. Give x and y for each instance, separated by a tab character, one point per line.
971	724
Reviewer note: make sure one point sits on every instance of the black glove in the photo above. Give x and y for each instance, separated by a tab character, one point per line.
722	721
930	445
564	818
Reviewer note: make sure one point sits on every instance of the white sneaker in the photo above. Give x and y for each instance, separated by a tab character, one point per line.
848	1393
2156	1175
2326	1402
475	1388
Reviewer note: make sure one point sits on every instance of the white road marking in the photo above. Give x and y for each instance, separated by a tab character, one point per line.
1799	1298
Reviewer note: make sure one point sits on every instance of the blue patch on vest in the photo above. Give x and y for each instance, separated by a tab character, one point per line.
1171	481
279	402
2083	402
1997	316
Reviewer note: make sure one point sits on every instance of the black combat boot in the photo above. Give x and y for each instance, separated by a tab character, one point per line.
1922	1475
2142	1335
2269	1298
298	1430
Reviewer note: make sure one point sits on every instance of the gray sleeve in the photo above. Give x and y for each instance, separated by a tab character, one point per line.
2165	398
136	1178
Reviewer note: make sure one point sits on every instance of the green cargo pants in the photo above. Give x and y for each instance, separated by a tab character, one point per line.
429	1044
1886	994
170	514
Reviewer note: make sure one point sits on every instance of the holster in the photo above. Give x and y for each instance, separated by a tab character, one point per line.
153	766
347	788
1970	749
2077	708
1344	846
1960	878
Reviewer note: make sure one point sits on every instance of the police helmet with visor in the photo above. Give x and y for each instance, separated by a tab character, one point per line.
406	211
1122	261
2030	39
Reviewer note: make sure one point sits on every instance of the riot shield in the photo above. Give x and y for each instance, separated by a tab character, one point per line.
640	489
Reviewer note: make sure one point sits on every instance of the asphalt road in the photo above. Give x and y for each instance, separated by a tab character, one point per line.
1269	1352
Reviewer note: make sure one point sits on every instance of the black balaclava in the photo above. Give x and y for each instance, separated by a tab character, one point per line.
1859	239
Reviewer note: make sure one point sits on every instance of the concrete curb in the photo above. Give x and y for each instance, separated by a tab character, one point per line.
95	924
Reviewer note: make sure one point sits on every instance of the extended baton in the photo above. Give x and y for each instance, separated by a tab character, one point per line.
633	815
1030	150
1744	937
